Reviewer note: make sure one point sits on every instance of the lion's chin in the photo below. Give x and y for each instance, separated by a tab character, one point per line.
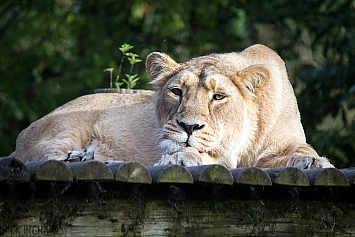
170	147
182	154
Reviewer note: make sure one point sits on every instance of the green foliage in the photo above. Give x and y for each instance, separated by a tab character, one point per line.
125	48
131	80
54	51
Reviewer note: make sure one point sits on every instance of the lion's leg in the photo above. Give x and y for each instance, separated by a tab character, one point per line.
271	161
65	146
305	157
76	156
302	157
97	150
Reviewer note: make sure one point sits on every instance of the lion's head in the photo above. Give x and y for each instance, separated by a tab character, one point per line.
223	108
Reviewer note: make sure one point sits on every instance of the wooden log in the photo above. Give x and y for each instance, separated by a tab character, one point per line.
251	176
213	174
327	177
170	174
350	174
130	172
13	169
49	170
288	176
90	170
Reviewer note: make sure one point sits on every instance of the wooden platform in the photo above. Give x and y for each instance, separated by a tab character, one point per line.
51	198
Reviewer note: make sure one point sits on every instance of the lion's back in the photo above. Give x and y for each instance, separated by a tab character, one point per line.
78	119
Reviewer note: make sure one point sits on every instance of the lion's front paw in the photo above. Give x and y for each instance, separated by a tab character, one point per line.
76	156
186	157
309	162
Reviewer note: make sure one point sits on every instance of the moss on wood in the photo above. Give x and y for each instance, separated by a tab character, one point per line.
178	210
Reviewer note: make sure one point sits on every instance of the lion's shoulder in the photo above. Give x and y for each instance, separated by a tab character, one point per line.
104	101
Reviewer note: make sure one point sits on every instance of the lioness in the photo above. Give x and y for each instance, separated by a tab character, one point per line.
233	109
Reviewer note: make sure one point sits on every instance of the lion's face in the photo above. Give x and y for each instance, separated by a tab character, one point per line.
203	108
194	112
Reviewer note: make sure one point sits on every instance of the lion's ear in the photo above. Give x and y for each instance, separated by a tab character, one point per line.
253	76
158	66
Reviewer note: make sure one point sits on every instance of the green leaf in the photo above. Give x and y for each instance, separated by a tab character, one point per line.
125	48
134	60
118	84
109	69
134	76
131	55
131	77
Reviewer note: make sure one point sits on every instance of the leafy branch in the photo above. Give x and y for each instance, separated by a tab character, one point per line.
131	80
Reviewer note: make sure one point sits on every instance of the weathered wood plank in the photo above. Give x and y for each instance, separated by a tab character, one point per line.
327	177
170	174
49	170
195	217
130	172
350	174
13	169
213	174
90	170
288	176
251	176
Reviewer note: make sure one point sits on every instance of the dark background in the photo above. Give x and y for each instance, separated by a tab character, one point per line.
54	51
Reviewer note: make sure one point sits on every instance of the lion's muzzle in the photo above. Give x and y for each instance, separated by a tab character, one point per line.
190	128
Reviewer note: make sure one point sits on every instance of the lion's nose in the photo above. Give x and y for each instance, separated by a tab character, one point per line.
190	128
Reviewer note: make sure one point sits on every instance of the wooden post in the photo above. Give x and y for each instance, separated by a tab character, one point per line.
350	174
14	169
288	176
170	174
213	174
49	170
90	170
251	176
327	177
130	172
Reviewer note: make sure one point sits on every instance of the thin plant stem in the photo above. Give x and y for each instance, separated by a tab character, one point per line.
131	69
120	67
110	79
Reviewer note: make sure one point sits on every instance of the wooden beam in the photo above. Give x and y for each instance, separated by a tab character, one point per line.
288	176
130	172
327	177
170	174
49	170
90	170
212	174
251	176
350	174
13	169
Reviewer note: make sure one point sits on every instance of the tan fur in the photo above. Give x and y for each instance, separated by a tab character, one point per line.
234	109
115	126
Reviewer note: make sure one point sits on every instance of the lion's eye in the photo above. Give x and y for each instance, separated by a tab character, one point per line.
176	91
218	97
